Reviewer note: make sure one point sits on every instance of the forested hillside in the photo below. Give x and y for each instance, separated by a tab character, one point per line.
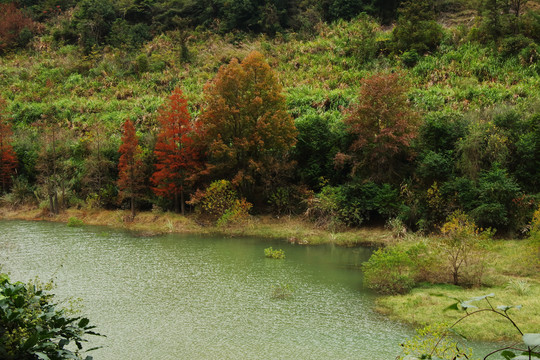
350	112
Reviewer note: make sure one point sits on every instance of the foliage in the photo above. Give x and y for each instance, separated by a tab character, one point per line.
389	271
383	125
274	254
75	222
416	28
437	345
8	158
177	157
433	340
130	165
352	204
219	202
248	131
289	200
462	244
33	326
15	27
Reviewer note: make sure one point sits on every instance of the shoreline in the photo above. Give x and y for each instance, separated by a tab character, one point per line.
293	229
422	306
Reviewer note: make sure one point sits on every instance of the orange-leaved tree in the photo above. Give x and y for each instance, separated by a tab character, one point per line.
177	156
130	166
383	125
8	159
248	131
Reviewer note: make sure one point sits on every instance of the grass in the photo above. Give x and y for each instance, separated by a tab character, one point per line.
294	229
511	274
422	305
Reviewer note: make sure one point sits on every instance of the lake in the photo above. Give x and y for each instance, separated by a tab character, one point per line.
200	297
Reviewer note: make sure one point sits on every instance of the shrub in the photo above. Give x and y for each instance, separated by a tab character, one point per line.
74	222
462	243
33	326
274	254
389	271
417	28
219	202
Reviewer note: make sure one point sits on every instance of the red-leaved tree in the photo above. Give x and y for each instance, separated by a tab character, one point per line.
383	125
8	159
12	23
130	166
177	157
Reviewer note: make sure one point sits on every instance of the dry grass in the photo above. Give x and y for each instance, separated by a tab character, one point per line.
294	229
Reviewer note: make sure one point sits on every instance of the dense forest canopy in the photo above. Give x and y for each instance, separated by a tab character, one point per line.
347	111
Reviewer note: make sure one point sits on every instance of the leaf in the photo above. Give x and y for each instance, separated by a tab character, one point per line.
531	340
508	354
62	343
482	297
30	342
83	322
507	307
465	305
452	307
42	356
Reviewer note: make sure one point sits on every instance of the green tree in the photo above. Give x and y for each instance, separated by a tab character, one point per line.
417	28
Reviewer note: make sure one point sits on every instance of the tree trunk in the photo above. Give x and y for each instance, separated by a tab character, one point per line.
176	204
132	208
51	203
182	202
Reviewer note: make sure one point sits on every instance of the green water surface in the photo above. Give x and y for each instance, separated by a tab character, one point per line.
195	297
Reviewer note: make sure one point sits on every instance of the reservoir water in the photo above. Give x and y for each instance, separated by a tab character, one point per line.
200	297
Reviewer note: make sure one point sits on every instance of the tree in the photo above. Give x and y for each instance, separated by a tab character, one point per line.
51	160
248	130
98	165
8	158
383	125
130	166
15	27
417	28
177	155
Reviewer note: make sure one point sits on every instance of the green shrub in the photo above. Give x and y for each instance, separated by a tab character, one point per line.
219	202
32	326
389	271
274	254
74	222
410	58
462	245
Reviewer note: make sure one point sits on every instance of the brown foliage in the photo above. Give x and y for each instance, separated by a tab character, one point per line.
12	22
248	130
384	125
130	166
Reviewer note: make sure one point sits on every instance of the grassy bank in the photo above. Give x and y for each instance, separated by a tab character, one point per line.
510	274
293	229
